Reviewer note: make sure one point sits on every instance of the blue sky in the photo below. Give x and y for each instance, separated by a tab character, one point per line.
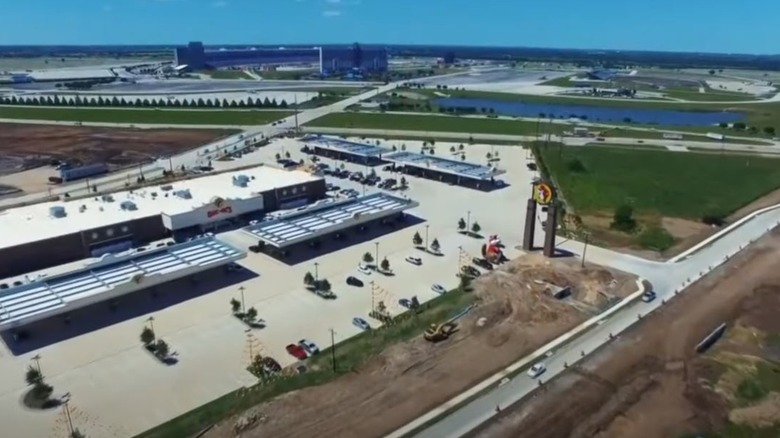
679	25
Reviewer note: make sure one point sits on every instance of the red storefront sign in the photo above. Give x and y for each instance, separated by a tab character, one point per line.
223	210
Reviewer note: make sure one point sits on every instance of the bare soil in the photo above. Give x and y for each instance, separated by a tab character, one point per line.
27	146
408	379
650	383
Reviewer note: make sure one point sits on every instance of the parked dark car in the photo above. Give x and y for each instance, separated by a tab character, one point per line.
255	248
482	263
531	166
354	281
270	365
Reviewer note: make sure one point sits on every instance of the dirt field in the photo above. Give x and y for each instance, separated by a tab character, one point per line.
24	146
651	384
408	379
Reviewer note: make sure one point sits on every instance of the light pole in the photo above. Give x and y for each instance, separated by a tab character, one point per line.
316	271
150	320
333	348
372	295
376	260
426	237
585	250
37	360
66	409
468	222
243	304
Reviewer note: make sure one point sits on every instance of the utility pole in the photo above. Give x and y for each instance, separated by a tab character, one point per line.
585	250
333	348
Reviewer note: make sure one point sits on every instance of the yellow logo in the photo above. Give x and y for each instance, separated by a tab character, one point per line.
543	193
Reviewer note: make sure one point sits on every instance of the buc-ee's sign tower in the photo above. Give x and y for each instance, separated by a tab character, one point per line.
542	193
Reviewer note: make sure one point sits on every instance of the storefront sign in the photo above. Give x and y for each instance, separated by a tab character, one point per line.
223	210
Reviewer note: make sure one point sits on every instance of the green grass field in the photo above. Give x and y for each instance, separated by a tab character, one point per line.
350	355
227	74
683	185
143	116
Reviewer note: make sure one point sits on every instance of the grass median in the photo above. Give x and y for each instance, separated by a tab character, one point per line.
144	116
350	354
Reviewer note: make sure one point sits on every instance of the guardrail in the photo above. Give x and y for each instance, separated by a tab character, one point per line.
513	368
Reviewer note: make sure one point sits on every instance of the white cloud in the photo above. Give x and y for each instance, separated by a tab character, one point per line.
331	13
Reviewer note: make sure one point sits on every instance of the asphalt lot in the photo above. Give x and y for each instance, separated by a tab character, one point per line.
212	345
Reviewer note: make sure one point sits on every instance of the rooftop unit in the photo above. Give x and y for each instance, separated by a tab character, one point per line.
183	194
240	180
57	211
128	206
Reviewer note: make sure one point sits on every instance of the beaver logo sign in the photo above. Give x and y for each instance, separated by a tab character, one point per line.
543	194
221	208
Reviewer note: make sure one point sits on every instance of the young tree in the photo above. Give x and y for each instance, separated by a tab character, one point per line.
623	219
368	258
403	182
385	265
287	155
475	228
251	314
769	130
308	279
461	224
162	349
147	336
33	376
417	239
435	245
452	149
235	305
278	156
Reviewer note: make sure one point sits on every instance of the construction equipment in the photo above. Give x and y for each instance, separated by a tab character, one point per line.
439	332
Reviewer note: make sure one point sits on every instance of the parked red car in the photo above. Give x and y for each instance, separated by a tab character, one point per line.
297	351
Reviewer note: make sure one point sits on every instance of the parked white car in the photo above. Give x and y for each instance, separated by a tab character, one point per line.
363	269
536	370
414	260
439	289
310	347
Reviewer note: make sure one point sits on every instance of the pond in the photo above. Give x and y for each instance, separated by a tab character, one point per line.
592	113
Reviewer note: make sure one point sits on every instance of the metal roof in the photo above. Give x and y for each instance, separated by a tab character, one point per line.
319	220
347	147
57	294
445	165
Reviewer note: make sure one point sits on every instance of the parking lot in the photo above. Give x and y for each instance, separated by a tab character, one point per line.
212	346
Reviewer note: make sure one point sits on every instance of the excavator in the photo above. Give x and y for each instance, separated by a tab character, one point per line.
439	332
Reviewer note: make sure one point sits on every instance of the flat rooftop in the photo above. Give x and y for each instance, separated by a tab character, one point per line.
34	222
344	146
319	220
445	165
120	274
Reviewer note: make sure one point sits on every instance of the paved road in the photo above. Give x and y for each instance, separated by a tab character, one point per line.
666	278
570	141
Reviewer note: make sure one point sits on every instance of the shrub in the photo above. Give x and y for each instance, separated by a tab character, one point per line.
623	219
656	238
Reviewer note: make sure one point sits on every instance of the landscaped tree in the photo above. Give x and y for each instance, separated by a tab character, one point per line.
576	166
475	228
452	149
417	239
463	157
368	258
278	156
465	283
461	147
162	349
385	265
435	245
251	314
308	279
739	126
769	130
403	146
403	182
33	376
235	305
623	219
461	224
147	336
723	125
40	389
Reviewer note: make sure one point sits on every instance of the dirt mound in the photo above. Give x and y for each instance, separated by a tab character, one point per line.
765	413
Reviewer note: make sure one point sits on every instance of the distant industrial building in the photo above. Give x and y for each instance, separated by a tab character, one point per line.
53	233
330	59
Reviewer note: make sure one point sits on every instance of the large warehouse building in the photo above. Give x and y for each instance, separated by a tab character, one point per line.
48	234
330	59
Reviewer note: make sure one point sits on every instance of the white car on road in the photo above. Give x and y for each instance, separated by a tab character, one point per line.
363	269
536	370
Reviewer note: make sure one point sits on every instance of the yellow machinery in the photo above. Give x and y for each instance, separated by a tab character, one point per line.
439	332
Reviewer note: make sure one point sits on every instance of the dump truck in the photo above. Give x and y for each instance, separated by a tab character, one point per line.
439	332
